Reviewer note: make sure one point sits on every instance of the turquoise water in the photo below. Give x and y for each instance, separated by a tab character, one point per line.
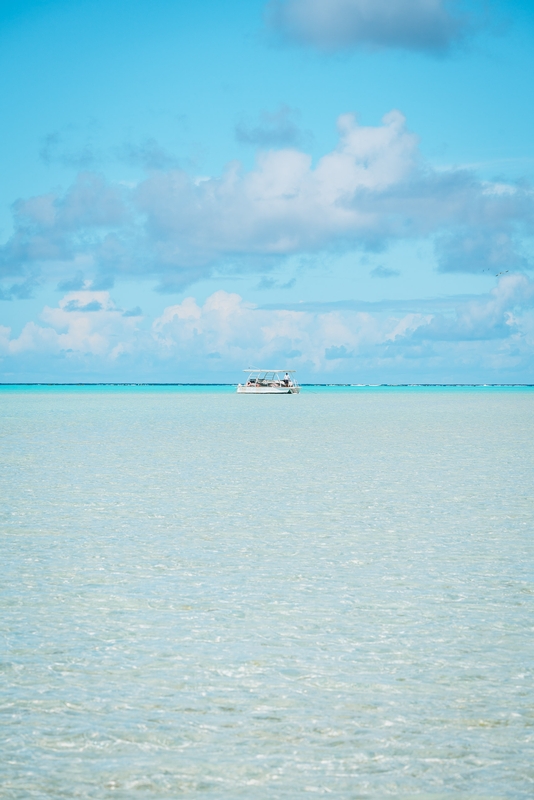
213	595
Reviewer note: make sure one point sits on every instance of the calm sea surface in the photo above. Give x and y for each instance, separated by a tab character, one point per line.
223	596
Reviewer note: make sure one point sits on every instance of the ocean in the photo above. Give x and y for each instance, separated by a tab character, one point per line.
206	594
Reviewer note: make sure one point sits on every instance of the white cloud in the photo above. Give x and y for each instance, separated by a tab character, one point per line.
371	189
420	25
498	316
83	323
242	334
470	338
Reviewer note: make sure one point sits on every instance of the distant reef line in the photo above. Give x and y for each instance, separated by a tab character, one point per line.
326	385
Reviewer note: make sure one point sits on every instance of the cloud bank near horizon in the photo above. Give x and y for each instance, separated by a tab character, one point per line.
429	26
86	333
371	190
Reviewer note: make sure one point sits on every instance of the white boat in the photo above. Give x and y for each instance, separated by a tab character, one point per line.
269	381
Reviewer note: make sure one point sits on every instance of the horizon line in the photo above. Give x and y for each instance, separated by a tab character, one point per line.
352	385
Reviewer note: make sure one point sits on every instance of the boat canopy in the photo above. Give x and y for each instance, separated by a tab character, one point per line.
271	377
269	371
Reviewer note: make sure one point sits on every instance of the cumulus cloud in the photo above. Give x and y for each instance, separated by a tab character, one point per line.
497	316
54	228
490	335
373	188
420	25
83	323
239	332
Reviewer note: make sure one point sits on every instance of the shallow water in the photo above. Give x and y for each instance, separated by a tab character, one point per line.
213	595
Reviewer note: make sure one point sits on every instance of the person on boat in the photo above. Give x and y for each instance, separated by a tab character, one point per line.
286	379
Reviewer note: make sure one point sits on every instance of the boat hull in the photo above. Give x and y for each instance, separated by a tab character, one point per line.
268	389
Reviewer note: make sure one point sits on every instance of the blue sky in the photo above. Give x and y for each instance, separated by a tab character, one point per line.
343	187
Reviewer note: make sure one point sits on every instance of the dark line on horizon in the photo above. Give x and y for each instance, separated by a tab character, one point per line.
347	385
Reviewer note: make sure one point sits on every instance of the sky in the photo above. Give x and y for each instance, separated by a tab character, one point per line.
340	187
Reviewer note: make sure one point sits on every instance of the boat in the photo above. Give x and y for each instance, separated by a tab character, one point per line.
269	381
